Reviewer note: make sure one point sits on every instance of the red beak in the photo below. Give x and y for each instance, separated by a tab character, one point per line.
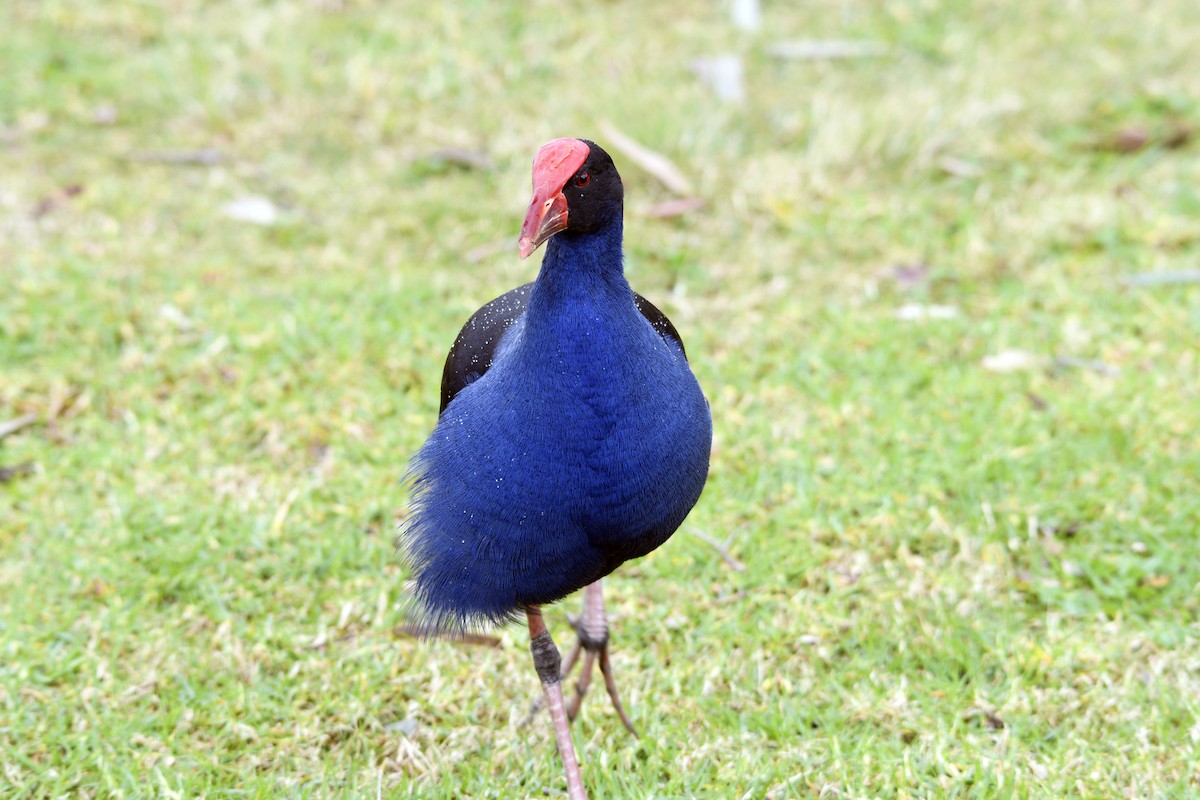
553	166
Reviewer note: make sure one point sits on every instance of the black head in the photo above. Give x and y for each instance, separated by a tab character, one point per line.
594	193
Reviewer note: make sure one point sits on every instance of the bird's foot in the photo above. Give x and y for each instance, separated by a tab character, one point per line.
591	628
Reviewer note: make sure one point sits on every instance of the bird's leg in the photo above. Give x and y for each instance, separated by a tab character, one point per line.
592	629
548	664
568	662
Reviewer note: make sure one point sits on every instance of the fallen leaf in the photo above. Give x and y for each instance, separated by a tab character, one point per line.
253	208
746	15
1135	138
173	315
1178	136
405	727
723	74
913	312
909	276
56	200
1009	361
1130	140
104	114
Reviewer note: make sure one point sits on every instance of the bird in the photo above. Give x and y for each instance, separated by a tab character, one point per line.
572	436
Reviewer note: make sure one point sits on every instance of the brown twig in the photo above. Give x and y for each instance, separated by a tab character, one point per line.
476	639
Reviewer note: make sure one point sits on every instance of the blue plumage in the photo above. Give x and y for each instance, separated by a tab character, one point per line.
582	444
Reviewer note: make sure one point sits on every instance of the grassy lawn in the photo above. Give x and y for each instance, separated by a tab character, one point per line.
969	539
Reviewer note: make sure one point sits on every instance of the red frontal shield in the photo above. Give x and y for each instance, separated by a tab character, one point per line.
553	166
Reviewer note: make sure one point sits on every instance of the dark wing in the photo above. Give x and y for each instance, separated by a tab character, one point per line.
473	350
475	347
659	320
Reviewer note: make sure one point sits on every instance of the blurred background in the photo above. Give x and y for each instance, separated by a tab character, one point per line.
937	266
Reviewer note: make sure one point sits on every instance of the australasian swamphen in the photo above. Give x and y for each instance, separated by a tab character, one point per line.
572	436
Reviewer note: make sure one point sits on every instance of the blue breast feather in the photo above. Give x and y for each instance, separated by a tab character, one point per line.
584	445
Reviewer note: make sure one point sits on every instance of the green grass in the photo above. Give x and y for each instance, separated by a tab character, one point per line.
958	583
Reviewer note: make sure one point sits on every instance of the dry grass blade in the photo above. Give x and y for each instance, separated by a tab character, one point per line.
817	49
722	550
16	425
1166	278
662	168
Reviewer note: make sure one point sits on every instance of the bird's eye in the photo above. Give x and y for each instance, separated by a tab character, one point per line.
582	179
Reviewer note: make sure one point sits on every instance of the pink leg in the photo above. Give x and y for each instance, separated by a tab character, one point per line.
548	664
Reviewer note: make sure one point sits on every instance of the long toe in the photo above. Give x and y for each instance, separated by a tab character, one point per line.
611	684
